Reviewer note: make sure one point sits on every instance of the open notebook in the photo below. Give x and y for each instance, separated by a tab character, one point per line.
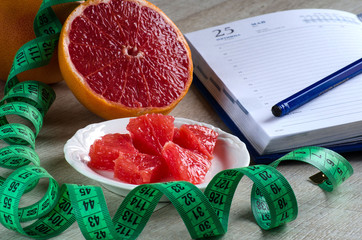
247	66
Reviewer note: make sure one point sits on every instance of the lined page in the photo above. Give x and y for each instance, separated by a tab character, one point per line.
265	59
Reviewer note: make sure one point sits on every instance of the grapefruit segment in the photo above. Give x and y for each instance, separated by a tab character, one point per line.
198	138
150	152
150	132
184	164
163	127
124	58
105	150
87	33
126	15
105	21
139	168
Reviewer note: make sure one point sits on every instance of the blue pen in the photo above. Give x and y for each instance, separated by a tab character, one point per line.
298	99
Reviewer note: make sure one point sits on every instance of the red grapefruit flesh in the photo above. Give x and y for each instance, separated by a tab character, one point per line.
105	150
139	168
184	164
150	152
124	58
150	132
198	138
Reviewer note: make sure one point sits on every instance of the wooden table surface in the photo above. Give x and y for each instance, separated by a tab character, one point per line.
335	215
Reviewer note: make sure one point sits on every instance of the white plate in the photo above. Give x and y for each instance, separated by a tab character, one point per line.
229	152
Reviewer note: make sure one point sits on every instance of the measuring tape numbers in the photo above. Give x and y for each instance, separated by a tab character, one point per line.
334	168
205	214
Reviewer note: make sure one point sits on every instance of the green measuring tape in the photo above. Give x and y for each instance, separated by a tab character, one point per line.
205	214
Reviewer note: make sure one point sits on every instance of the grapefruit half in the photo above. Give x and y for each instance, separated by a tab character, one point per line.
124	58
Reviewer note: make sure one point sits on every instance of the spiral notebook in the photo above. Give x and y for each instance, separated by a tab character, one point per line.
245	67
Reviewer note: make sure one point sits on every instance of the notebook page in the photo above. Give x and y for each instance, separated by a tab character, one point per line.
265	59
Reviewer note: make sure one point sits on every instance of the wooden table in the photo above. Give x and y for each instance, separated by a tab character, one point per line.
335	215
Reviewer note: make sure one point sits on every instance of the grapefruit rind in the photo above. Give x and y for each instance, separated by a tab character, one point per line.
95	102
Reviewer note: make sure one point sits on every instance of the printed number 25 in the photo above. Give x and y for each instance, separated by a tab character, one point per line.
223	32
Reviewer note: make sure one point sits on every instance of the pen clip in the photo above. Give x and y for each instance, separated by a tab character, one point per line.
318	178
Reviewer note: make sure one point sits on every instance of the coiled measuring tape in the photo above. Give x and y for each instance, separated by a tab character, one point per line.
205	214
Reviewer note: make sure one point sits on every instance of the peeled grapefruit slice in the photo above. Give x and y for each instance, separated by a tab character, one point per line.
198	138
139	168
105	150
150	132
124	58
184	164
